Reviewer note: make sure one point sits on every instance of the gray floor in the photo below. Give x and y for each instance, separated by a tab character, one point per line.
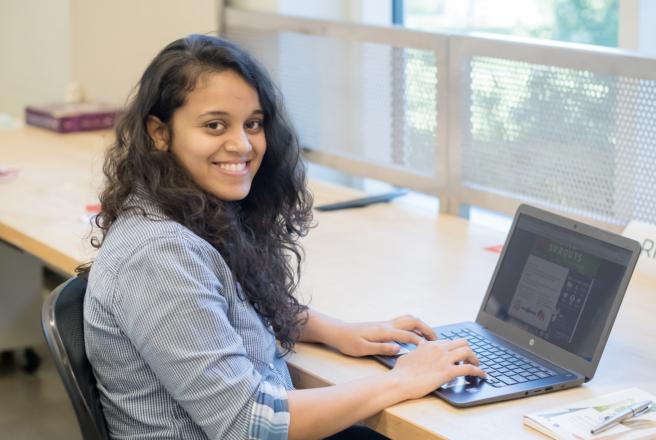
35	406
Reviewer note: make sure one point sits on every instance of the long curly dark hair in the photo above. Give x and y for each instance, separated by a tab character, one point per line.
257	236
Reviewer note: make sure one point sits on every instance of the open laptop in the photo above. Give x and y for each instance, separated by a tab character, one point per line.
548	310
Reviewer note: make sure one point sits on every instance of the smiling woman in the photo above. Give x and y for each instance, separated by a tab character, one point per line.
202	107
202	209
221	148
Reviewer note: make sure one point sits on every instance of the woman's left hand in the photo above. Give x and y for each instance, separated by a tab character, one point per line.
369	338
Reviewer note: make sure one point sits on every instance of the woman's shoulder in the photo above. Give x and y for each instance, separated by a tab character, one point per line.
159	252
143	227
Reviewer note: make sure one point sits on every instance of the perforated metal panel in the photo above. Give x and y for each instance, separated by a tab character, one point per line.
560	126
582	141
367	100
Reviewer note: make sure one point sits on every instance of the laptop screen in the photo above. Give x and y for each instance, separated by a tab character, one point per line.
557	284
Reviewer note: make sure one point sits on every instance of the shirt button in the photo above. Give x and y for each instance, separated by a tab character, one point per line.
272	367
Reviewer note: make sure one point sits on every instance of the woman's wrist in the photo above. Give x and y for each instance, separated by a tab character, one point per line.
335	333
322	329
394	386
332	331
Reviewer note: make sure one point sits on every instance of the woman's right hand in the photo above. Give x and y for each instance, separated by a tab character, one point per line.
434	363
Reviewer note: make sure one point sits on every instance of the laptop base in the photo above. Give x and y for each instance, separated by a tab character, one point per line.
465	392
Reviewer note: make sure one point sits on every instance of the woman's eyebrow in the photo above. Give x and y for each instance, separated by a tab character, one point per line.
258	112
214	113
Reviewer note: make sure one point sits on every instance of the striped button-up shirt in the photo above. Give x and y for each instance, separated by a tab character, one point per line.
177	351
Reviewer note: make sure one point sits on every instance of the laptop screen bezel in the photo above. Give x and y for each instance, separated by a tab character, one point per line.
542	347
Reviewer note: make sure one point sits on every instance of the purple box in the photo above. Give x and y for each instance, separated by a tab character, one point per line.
68	118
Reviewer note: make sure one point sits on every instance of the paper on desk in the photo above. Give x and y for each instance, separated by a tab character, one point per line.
7	174
575	421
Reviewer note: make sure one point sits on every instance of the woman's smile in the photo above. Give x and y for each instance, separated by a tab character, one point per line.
233	168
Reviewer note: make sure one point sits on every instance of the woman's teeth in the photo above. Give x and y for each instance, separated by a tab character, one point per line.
233	166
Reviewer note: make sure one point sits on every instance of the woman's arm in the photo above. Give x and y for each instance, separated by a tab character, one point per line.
320	412
367	338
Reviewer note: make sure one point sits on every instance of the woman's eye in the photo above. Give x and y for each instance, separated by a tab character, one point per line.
215	125
254	126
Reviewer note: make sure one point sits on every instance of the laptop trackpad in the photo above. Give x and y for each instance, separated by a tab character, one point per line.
461	382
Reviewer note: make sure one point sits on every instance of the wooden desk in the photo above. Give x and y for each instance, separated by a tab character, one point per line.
378	262
364	264
41	207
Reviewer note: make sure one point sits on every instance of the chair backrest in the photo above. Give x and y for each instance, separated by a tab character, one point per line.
62	321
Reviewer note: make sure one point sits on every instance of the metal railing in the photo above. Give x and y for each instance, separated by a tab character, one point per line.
473	119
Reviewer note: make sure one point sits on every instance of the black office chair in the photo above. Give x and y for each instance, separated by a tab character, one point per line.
62	321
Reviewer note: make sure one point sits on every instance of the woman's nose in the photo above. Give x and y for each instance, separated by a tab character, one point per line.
238	143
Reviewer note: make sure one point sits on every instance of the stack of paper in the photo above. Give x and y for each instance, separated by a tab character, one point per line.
576	420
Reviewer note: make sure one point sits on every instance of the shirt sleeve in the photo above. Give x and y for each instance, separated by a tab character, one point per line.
270	416
170	304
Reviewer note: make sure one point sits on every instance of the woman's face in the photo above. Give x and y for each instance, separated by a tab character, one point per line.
218	134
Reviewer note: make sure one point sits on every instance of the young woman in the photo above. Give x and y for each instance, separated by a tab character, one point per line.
203	205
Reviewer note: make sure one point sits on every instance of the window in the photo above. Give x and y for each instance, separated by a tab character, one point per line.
579	21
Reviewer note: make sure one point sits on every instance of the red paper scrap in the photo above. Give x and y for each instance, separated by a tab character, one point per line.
497	248
92	208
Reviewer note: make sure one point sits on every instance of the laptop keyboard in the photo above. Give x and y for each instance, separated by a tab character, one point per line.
503	366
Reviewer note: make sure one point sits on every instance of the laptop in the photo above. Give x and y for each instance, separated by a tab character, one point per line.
548	310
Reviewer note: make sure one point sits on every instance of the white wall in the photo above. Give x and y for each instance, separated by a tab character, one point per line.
102	44
113	41
35	52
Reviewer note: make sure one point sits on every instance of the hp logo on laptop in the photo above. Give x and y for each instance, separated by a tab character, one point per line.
531	342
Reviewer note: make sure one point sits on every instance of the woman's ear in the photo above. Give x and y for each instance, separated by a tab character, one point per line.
158	132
